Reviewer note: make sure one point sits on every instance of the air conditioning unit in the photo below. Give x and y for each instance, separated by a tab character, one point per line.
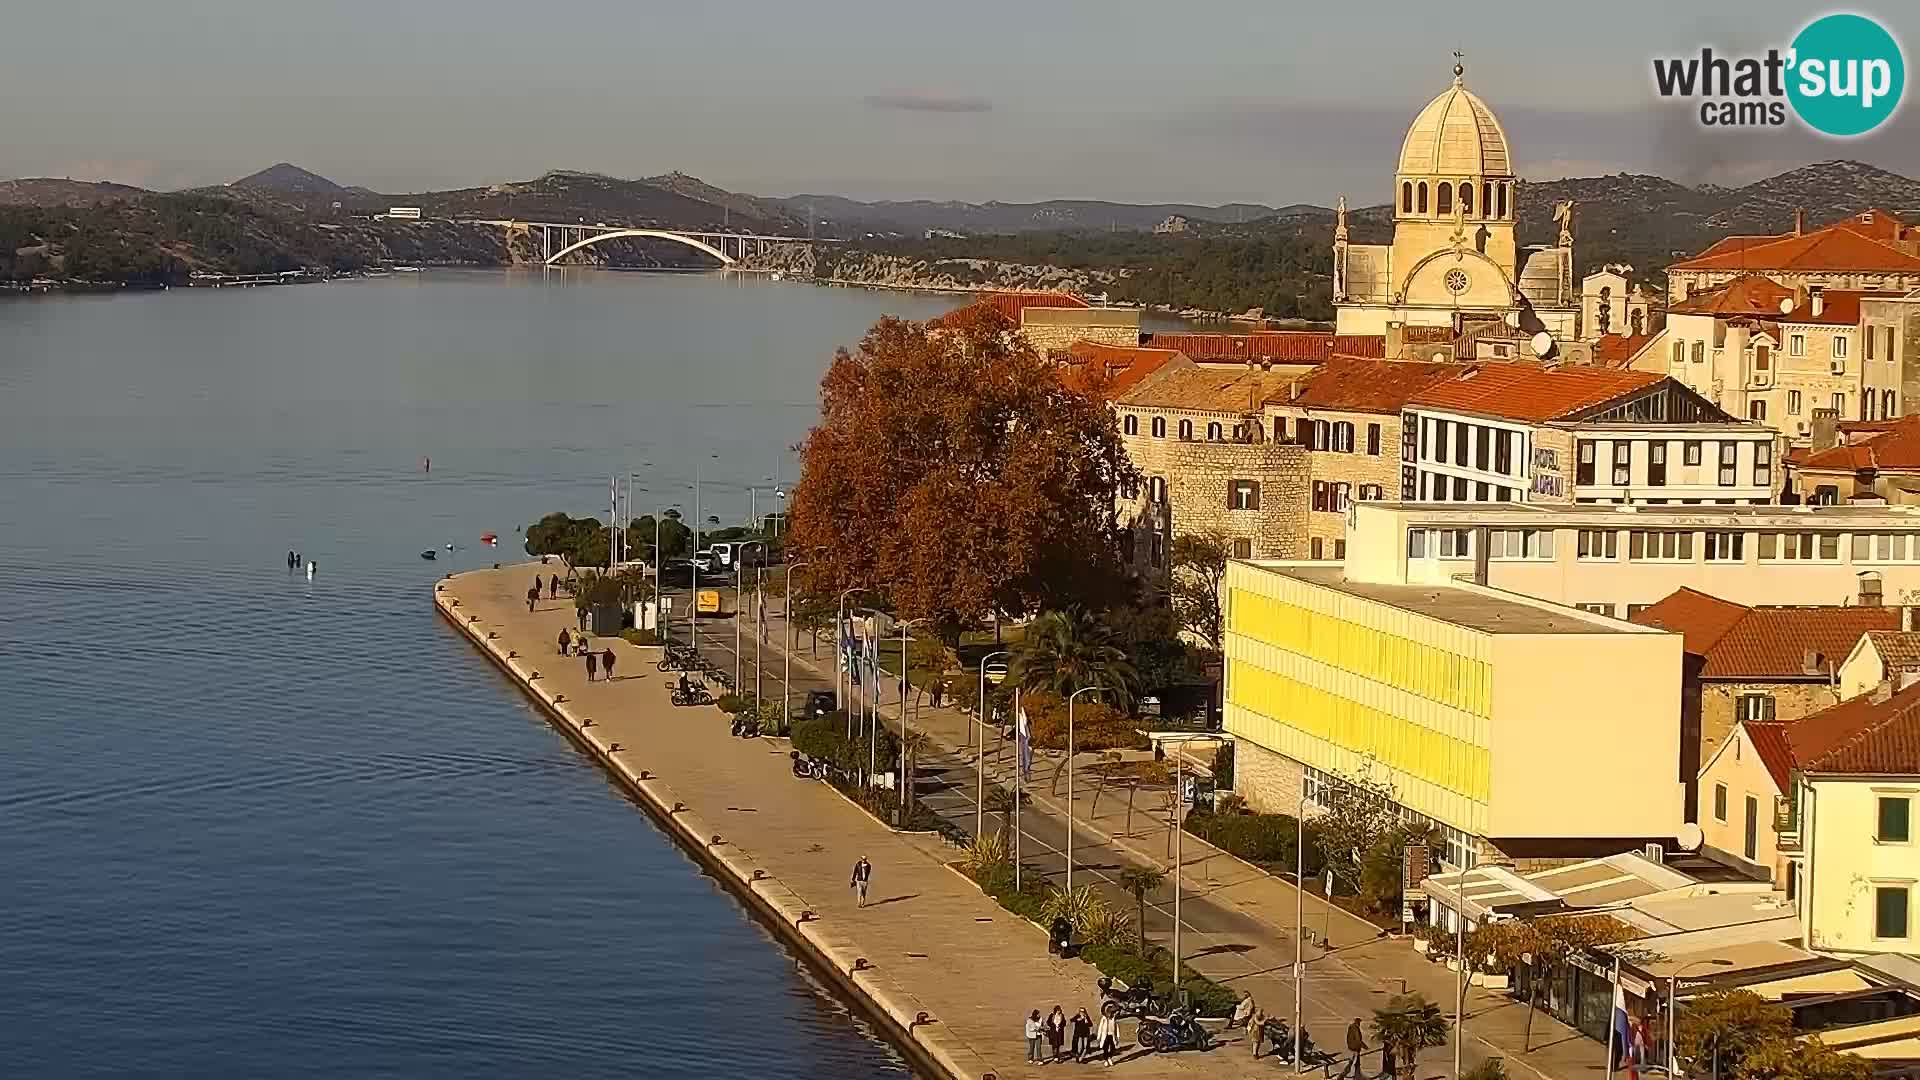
1654	853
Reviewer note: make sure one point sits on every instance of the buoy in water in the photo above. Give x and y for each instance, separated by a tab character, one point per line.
429	555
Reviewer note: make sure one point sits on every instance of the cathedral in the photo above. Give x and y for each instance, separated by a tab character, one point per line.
1453	261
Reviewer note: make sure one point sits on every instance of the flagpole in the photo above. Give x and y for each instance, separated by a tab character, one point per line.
1019	783
1613	1025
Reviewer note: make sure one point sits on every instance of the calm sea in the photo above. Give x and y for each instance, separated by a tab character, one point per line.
253	825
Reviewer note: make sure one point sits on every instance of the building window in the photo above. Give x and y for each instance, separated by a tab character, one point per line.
1520	544
1130	425
1757	410
1887	409
1441	429
1443	199
1729	454
1890	911
1343	437
1416	543
1894	819
1755	708
1423	196
1724	546
1657	464
1243	549
1372	492
1664	545
1244	495
1583	473
1503	453
1373	440
1462	433
1482	447
1750	839
1157	489
1186	431
1598	544
1839	347
1459	489
1466	198
1158	550
1699	351
1871	333
1213	431
1316	549
1679	353
1840	404
1881	547
1319	494
1503	201
1406	197
1456	543
1719	802
1340	549
1793	403
1622	464
1597	609
1130	489
1159	427
1279	429
1762	357
1825	495
1806	546
1763	464
1796	344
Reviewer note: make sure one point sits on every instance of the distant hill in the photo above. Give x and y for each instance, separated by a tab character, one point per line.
49	191
918	215
289	179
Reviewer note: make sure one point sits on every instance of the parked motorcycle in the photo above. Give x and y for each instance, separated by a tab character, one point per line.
691	694
746	725
1177	1032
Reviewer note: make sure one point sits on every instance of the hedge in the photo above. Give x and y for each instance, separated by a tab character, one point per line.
1266	840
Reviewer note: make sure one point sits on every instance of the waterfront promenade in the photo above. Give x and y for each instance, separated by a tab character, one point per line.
948	971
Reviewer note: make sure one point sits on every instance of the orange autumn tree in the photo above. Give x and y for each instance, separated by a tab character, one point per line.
955	475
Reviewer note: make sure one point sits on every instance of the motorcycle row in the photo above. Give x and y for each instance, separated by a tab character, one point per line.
684	658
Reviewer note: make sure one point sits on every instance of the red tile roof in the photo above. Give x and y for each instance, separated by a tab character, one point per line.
1763	643
1769	740
1860	736
1118	368
1896	447
1865	241
1346	384
1618	350
1699	618
1748	294
1532	392
1838	307
1011	304
1286	346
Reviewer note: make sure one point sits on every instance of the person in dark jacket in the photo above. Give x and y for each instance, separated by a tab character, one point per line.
533	596
606	663
566	641
1056	1031
593	665
553	586
1082	1035
1356	1045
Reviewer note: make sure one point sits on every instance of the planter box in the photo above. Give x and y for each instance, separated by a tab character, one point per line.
1420	946
1490	982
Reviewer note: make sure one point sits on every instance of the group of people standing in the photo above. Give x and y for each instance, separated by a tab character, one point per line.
579	646
1078	1038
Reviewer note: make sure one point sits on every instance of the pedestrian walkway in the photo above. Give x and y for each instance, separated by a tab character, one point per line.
1237	921
930	941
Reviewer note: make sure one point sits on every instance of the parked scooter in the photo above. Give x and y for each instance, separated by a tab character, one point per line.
1178	1031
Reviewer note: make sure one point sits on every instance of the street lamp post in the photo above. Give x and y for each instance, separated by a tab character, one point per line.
904	795
1178	826
1070	698
739	592
1673	1004
980	755
659	583
786	677
693	608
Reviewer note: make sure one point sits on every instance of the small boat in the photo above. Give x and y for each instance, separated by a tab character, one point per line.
429	554
489	539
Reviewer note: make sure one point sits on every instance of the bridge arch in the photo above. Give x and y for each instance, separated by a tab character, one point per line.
656	234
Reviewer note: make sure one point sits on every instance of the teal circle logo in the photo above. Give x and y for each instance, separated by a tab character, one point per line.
1846	75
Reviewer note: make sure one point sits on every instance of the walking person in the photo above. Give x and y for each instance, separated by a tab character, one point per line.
566	641
553	586
1056	1030
863	877
581	615
1256	1028
533	595
1356	1045
1082	1036
1033	1030
1107	1035
606	662
593	665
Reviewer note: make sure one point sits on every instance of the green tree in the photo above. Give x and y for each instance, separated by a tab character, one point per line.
1357	820
676	540
1065	651
1717	1030
1141	880
1409	1023
1199	565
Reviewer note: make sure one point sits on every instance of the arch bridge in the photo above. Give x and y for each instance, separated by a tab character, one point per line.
558	239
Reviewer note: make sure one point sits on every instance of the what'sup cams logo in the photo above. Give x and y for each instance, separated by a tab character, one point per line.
1844	75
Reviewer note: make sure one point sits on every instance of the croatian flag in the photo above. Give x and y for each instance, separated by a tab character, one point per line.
1024	744
847	654
1623	1032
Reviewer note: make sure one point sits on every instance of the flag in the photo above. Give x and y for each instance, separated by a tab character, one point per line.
1623	1030
846	653
1024	742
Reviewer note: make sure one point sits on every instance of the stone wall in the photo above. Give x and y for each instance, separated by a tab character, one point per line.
1056	328
1269	781
1199	478
1720	703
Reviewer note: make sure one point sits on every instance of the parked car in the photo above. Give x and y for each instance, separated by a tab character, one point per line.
817	703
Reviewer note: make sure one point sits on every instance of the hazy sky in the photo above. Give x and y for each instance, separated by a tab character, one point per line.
1272	101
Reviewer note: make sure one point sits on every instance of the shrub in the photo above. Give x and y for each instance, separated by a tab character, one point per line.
825	737
1223	766
987	855
1080	906
1490	1069
1267	840
732	703
636	636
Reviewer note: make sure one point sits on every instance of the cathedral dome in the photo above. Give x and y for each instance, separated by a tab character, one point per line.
1455	135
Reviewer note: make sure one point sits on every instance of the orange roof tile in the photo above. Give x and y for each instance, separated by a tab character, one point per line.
1011	304
1200	388
1838	307
1346	384
1699	618
1895	448
1860	735
1899	649
1852	244
1765	643
1748	294
1532	392
1287	346
1769	740
1116	368
1618	350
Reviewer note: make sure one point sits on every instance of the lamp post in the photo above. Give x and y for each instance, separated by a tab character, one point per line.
839	635
739	587
904	796
786	676
1673	1004
1070	698
1179	800
980	737
693	609
659	584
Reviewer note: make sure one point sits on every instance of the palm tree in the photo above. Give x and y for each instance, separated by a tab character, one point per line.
1064	651
1000	801
1409	1024
913	743
1141	880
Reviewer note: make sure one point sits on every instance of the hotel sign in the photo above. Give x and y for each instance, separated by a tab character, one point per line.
1547	478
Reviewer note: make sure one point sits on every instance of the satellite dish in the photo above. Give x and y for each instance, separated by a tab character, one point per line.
1689	837
1786	305
1542	344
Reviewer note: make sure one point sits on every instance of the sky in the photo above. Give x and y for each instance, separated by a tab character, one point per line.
1206	101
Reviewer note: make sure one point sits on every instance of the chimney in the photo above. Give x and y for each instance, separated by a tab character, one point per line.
1906	618
1799	220
1812	663
1818	294
1885	690
1799	294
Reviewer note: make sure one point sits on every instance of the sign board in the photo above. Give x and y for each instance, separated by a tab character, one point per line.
1547	479
1414	869
709	602
996	672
